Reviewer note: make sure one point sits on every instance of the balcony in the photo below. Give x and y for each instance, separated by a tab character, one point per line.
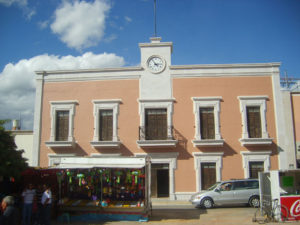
151	137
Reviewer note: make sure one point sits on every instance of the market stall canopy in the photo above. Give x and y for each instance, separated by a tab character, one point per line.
111	162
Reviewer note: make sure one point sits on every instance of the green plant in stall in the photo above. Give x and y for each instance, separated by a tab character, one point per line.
80	176
70	175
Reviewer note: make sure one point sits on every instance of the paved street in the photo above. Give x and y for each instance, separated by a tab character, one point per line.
187	214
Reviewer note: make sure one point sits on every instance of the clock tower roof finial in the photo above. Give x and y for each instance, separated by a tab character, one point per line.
155	39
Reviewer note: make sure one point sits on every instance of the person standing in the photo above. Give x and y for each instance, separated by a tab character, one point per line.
46	204
38	199
10	213
28	197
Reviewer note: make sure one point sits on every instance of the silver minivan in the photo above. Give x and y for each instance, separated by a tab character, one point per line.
230	192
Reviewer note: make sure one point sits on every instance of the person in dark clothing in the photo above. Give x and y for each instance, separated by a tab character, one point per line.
10	214
46	202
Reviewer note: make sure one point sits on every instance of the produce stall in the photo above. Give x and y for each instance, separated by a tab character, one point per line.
104	188
280	190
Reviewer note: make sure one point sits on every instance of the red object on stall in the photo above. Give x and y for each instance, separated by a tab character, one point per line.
293	205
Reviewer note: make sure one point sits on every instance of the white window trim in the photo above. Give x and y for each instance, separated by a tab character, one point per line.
261	156
62	106
212	157
108	104
55	159
254	101
200	102
167	158
156	104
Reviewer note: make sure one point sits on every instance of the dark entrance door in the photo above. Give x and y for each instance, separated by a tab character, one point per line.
208	175
162	183
159	180
255	168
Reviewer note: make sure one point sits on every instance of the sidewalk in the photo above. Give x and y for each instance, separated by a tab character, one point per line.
182	212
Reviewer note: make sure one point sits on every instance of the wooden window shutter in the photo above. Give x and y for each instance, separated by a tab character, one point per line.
254	122
208	175
156	124
106	125
62	126
254	168
207	123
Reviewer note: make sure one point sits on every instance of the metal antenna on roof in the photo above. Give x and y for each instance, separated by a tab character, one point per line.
155	33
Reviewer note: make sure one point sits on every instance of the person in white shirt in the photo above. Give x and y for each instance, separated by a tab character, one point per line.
28	196
46	205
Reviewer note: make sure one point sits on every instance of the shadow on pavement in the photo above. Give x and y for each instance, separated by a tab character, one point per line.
176	214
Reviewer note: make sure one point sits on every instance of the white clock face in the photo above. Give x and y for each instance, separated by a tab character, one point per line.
156	64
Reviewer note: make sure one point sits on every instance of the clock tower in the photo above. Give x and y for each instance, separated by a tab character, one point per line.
155	78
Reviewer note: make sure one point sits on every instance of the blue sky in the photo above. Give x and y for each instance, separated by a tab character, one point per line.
69	34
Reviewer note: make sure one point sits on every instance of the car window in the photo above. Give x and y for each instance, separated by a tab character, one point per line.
247	184
213	187
253	184
226	186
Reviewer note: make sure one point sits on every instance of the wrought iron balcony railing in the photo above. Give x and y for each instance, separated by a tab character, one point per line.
156	133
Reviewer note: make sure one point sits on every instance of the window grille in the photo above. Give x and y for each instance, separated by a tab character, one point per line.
62	126
106	125
254	122
156	124
207	123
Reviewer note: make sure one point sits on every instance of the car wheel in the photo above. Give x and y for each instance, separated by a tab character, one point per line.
254	202
207	203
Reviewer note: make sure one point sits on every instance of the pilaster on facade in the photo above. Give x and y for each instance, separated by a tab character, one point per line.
37	120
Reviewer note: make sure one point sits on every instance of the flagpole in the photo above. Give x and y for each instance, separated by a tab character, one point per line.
155	33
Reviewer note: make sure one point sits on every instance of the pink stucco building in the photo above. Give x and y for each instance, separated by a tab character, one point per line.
198	123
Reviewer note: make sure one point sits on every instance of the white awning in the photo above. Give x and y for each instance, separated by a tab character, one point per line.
91	162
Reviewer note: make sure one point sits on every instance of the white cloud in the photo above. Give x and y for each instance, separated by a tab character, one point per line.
22	4
128	19
17	81
110	38
43	24
8	3
80	24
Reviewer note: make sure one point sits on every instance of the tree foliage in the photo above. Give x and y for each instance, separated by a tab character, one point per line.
11	161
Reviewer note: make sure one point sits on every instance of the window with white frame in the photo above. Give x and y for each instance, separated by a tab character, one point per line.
156	126
201	158
254	161
62	123
207	121
106	123
254	123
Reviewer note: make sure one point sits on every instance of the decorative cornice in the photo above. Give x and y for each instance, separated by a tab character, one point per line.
157	100
67	102
256	153
213	98
102	70
159	44
253	97
224	70
199	154
225	66
106	101
122	73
